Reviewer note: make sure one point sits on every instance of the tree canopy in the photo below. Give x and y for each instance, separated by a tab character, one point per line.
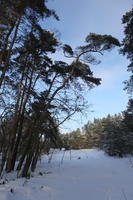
127	47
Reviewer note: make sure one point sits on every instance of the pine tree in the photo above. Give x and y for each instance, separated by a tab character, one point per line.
127	48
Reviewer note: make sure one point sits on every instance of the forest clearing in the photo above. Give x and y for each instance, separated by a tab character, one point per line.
75	175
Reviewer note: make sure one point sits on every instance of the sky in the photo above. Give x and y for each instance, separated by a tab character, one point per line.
77	19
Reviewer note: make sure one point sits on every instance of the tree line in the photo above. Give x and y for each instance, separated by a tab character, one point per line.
112	134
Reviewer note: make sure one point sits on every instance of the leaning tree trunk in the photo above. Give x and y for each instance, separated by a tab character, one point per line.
26	148
27	164
21	120
15	126
36	155
23	103
9	50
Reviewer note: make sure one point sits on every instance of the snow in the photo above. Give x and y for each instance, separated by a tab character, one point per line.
74	175
3	27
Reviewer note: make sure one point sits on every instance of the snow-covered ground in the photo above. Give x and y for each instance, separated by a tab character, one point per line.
75	175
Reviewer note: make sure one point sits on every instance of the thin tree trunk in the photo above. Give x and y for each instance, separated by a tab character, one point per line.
34	161
25	152
21	120
9	53
27	164
14	128
6	43
37	153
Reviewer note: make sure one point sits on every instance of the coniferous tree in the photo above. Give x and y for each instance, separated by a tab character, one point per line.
127	48
25	48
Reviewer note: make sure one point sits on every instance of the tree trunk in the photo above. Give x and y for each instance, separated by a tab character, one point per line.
9	52
35	158
18	132
27	164
26	150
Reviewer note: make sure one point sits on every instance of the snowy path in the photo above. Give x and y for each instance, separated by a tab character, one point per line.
92	177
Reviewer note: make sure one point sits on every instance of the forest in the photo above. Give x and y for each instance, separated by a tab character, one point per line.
38	93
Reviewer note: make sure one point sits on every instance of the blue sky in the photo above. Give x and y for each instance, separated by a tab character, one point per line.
77	19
